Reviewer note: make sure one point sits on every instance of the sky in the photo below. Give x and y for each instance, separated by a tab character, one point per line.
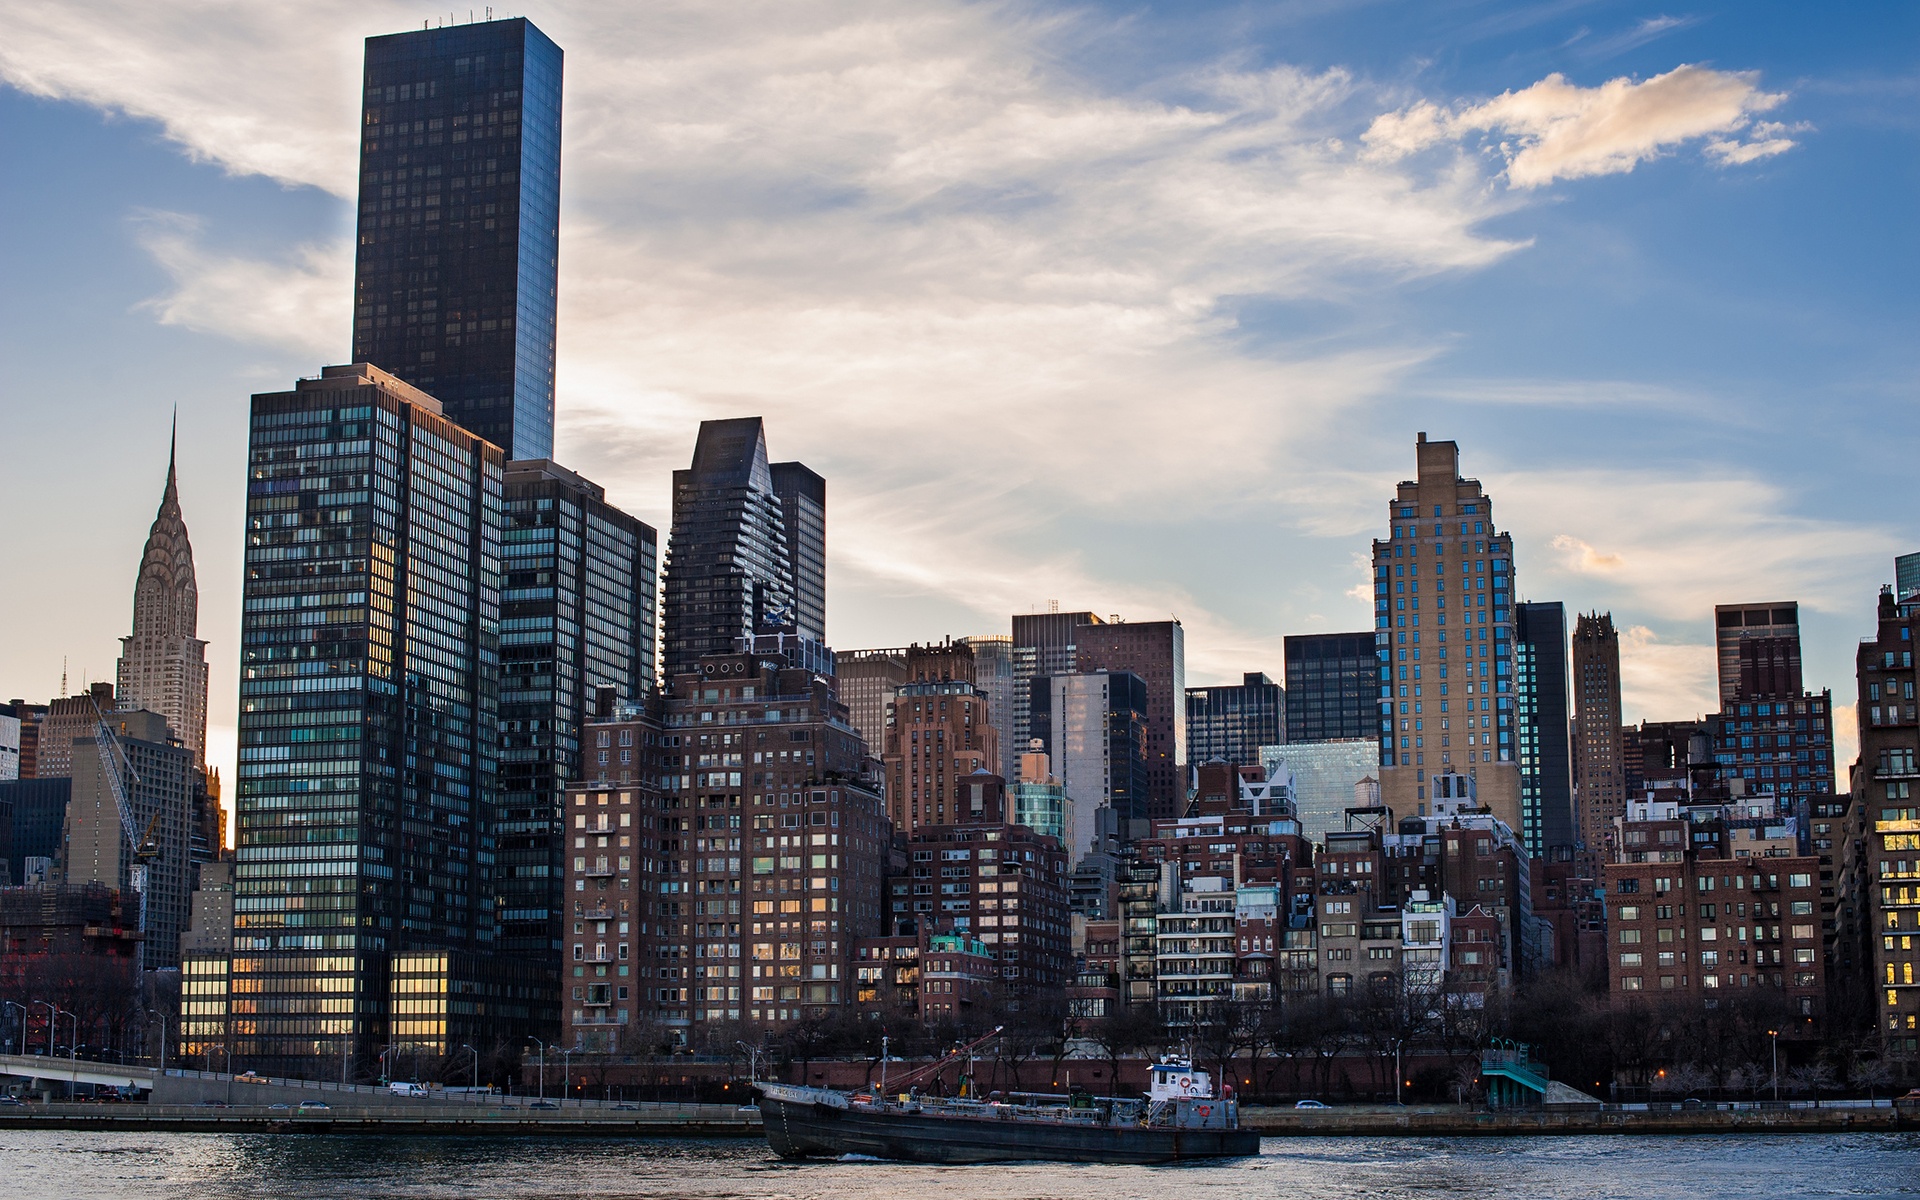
1136	307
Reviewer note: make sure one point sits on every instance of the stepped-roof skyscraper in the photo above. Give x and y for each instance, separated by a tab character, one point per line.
731	569
163	665
457	264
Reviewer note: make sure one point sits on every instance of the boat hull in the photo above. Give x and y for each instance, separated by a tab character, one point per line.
798	1130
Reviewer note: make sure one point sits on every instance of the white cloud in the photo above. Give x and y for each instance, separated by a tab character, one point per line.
1661	680
1556	129
301	303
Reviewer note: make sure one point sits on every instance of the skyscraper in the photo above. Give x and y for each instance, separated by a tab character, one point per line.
1331	687
1444	549
867	681
803	509
1757	647
1043	644
1906	575
729	569
369	720
1599	750
1093	729
577	621
1156	651
457	265
993	674
1230	723
1541	726
163	666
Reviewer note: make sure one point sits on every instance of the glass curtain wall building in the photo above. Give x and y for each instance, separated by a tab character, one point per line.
803	510
1230	723
576	620
369	722
729	574
1331	687
1542	726
457	264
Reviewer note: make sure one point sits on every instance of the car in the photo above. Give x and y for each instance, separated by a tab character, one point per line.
276	1108
9	1101
543	1104
626	1108
1308	1104
213	1104
314	1106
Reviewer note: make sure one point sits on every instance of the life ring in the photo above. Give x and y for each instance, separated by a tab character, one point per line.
1186	1082
1203	1109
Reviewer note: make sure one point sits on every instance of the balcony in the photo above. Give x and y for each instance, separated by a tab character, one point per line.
598	913
598	871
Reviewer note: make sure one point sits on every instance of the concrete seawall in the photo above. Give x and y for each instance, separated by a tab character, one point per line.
420	1118
1449	1121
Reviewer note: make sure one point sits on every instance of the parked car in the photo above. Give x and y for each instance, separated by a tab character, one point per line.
314	1106
1308	1104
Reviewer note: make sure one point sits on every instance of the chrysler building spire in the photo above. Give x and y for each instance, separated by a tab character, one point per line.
163	666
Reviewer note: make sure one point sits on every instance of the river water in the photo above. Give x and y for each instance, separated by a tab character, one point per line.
81	1166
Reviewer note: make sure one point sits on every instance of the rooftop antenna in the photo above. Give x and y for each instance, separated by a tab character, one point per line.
63	674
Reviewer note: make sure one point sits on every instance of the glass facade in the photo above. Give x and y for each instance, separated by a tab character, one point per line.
369	722
1330	687
1230	724
728	570
577	616
457	263
1542	726
1326	776
803	508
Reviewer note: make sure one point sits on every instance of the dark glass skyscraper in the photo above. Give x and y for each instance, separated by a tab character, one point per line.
1544	730
1230	723
456	267
369	723
1331	687
730	572
576	616
803	507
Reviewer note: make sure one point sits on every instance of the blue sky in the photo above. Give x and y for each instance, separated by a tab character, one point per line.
1136	307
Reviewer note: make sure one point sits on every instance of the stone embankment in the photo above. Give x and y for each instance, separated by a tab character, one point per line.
1443	1120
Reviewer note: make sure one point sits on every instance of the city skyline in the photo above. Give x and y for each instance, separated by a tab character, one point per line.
1657	550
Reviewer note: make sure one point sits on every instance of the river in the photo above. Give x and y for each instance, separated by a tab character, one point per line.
72	1166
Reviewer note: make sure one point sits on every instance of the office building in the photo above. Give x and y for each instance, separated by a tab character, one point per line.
1327	779
65	719
163	665
993	674
129	826
1093	729
1332	687
577	633
729	570
1230	723
456	267
1043	644
803	509
1444	621
369	716
1906	575
1757	650
867	680
27	744
1156	652
35	812
1541	726
1599	746
9	745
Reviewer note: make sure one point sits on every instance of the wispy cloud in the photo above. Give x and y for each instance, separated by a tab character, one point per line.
301	302
1646	29
1556	129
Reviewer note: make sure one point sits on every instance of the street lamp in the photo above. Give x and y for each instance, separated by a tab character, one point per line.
386	1072
1775	1035
543	1065
476	1067
566	1073
51	1010
23	1025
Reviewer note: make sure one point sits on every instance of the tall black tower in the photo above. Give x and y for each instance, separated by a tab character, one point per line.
456	268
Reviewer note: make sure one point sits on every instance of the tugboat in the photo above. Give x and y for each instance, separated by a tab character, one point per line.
1178	1119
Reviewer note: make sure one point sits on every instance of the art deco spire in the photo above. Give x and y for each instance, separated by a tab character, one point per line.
162	664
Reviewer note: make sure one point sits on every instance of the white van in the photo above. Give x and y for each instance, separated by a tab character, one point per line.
408	1089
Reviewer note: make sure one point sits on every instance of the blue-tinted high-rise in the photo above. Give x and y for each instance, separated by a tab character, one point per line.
456	266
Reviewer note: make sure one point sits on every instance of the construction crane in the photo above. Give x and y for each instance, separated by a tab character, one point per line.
145	847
